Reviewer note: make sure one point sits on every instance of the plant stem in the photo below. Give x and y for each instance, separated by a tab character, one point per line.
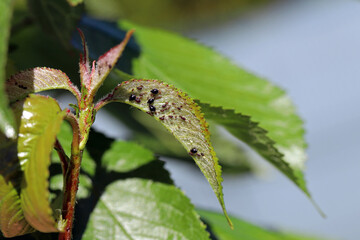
71	179
64	159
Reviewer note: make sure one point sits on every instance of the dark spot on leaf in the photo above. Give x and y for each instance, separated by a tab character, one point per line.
164	105
140	87
132	97
154	91
162	118
202	154
193	151
152	108
137	99
183	118
151	100
110	66
22	86
171	116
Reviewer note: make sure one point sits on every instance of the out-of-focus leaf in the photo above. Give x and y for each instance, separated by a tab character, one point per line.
12	219
56	17
40	122
213	79
38	79
243	230
7	124
180	115
142	209
125	156
169	13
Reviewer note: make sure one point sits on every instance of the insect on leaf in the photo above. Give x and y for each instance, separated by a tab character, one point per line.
38	79
180	115
40	122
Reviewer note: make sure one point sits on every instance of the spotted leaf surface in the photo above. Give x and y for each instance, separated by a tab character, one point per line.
35	80
180	115
40	122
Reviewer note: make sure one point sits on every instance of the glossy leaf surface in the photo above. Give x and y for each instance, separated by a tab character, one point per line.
213	79
12	219
244	230
7	124
40	122
180	115
142	209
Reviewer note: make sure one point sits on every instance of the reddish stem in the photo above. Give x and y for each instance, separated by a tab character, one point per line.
71	179
64	159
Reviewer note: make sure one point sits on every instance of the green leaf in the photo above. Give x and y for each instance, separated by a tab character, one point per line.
36	80
243	230
180	115
213	79
142	209
125	156
12	220
251	133
40	122
7	124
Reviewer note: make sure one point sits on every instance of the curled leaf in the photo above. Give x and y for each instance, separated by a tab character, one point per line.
180	115
38	79
40	122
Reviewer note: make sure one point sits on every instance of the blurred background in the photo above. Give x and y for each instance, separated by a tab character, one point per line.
312	50
309	48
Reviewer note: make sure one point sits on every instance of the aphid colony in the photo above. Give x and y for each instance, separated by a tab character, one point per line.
152	109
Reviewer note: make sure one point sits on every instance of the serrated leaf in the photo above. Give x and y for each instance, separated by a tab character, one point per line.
40	122
125	156
180	115
36	80
7	124
12	220
213	79
142	209
251	133
243	230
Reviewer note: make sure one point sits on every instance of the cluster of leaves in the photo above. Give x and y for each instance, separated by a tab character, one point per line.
122	184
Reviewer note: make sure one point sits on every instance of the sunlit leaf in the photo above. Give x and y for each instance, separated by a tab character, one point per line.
12	219
40	122
35	80
7	124
142	209
180	115
213	79
244	230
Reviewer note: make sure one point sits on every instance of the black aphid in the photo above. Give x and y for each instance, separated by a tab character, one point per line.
193	150
154	91
132	97
152	108
151	100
